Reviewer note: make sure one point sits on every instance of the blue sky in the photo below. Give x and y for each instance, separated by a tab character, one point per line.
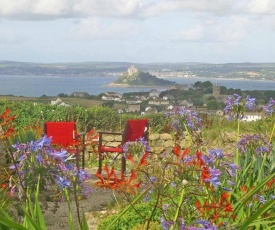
213	31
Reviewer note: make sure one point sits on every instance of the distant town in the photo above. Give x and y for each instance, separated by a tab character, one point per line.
202	96
255	71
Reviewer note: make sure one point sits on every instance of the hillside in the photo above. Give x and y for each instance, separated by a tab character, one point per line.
135	77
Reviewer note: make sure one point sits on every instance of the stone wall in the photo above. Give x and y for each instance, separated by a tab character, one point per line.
158	142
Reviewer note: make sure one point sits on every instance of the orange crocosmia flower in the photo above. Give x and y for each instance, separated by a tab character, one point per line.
3	186
198	204
244	188
130	158
223	198
176	150
228	207
185	153
215	217
270	182
109	183
127	185
5	114
205	174
9	132
200	161
143	161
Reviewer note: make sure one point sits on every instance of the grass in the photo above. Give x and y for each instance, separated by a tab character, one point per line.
70	100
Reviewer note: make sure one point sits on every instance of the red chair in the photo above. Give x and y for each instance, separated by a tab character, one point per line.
64	134
134	129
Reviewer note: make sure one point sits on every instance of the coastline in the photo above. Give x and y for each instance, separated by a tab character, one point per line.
220	78
134	86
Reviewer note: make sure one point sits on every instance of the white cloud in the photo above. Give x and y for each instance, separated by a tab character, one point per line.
35	9
95	28
51	9
193	6
212	31
261	6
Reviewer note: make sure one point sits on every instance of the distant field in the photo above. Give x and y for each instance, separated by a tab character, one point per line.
70	100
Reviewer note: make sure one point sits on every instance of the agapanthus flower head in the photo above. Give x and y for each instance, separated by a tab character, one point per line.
42	142
136	147
82	175
206	224
217	153
262	199
181	118
213	177
269	108
63	182
234	106
258	142
250	103
61	155
165	224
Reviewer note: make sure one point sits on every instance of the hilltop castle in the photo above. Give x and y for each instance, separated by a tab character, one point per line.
132	70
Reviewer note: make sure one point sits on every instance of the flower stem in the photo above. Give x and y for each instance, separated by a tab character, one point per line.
237	140
179	205
187	130
270	138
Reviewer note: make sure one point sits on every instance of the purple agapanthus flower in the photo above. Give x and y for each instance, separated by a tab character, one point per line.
257	142
232	168
130	146
206	224
39	144
250	103
82	175
214	177
262	199
269	108
216	153
62	182
180	118
166	224
234	106
61	155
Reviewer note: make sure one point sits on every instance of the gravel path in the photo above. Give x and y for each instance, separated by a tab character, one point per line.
56	214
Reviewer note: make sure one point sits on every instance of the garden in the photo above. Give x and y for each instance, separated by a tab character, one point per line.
223	177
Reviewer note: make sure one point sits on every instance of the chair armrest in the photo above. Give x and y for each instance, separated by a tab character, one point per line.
110	133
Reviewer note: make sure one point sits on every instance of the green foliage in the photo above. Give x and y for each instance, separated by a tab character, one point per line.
133	217
141	78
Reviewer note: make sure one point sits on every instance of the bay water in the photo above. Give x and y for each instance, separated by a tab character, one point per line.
36	86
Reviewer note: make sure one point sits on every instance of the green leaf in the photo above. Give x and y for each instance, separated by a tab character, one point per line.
7	223
128	207
37	208
250	194
254	217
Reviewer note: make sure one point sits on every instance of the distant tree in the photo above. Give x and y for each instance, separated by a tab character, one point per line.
197	84
206	84
208	90
109	104
197	101
212	105
211	98
62	95
100	95
223	90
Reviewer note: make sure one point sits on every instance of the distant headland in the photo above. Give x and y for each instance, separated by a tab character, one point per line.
137	78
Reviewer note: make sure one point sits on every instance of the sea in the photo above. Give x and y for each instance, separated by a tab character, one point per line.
36	86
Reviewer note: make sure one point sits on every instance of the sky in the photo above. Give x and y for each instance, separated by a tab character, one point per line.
140	31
